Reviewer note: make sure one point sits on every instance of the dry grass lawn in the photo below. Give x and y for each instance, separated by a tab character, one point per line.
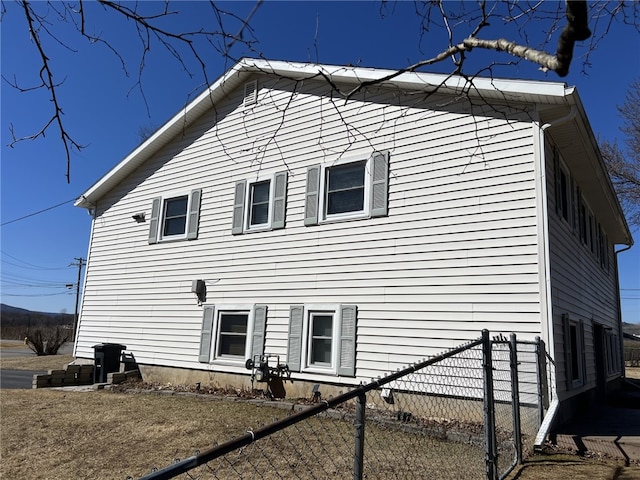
56	434
44	363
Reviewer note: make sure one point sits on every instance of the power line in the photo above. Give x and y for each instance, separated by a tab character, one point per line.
26	265
38	212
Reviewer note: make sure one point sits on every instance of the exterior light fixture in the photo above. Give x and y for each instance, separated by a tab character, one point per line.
138	217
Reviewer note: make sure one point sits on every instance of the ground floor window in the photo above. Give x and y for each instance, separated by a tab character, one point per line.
232	333
574	352
612	350
322	339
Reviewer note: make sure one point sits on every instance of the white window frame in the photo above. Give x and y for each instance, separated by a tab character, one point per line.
323	216
162	218
219	359
246	226
306	365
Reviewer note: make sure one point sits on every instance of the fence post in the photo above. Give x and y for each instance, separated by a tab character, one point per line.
541	370
358	460
489	409
515	396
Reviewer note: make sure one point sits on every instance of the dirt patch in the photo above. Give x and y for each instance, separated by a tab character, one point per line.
555	466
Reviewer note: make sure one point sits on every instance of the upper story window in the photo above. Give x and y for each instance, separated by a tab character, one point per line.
564	190
357	189
259	201
345	189
175	217
174	220
260	205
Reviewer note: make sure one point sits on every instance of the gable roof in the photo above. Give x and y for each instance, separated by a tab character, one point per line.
558	96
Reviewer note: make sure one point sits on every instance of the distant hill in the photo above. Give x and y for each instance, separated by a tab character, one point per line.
631	328
8	309
21	317
18	322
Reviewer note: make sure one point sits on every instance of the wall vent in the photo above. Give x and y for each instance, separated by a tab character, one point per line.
250	93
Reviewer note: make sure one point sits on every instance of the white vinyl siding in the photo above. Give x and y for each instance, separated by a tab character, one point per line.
581	288
455	251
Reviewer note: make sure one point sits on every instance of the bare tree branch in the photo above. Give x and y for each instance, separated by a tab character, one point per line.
46	76
192	47
623	164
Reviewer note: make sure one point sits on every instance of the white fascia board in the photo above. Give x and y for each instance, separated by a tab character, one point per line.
449	83
300	71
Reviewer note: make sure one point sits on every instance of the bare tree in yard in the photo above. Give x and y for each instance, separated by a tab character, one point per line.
456	31
623	163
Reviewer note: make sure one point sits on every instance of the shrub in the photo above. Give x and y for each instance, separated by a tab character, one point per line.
47	340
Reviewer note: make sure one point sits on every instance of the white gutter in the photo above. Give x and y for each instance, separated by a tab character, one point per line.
547	299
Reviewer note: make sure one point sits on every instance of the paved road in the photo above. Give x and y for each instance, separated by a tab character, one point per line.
17	378
22	378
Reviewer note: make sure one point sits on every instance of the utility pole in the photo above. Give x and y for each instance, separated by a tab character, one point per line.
80	263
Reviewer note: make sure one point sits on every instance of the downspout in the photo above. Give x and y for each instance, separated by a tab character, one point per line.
92	211
555	403
620	331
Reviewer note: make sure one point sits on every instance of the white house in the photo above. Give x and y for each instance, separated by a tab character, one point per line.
352	236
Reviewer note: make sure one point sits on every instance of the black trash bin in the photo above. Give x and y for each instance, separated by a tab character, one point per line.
106	360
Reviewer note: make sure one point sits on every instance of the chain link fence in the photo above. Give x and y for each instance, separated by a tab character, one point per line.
465	414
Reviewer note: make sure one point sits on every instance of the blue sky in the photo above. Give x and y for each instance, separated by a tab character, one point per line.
104	110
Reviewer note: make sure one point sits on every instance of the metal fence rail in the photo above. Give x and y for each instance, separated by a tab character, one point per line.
453	416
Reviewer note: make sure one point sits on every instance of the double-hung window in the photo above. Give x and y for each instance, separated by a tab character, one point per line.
175	217
347	190
322	339
564	187
574	352
259	205
232	333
